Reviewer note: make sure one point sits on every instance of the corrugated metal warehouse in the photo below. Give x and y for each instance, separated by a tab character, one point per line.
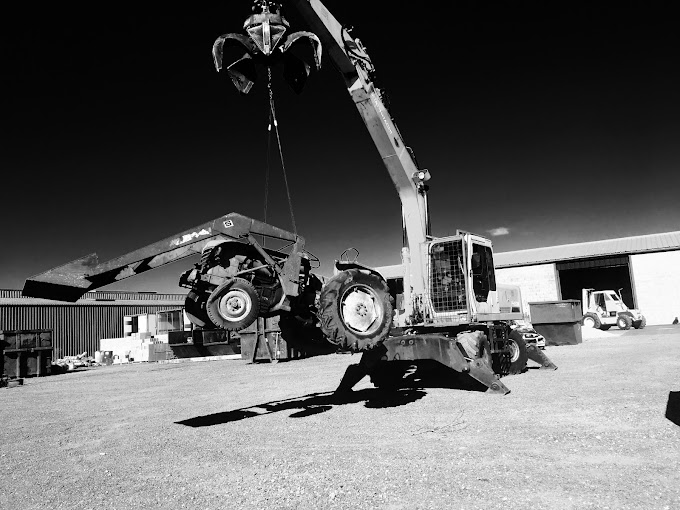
646	267
78	327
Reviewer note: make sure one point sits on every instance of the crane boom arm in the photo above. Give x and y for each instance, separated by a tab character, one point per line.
350	58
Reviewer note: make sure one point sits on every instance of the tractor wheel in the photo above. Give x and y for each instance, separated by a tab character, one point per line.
355	310
640	324
624	322
234	305
518	353
590	320
605	327
194	306
476	346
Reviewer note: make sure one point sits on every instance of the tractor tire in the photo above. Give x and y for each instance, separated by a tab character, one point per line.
355	311
640	324
518	353
476	346
624	321
194	306
590	320
234	305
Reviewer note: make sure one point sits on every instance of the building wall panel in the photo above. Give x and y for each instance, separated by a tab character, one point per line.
100	295
656	279
536	283
77	328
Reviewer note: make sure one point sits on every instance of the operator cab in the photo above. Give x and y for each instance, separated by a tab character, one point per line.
606	303
461	281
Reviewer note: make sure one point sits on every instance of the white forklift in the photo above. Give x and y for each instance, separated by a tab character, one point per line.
603	309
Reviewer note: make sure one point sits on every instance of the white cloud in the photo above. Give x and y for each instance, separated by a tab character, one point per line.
500	231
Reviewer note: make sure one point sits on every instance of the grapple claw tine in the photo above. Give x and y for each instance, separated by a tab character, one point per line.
482	373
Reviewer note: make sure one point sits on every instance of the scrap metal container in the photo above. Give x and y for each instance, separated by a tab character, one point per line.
558	321
554	312
262	341
160	352
200	343
26	353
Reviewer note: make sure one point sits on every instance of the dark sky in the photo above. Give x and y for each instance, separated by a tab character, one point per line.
554	124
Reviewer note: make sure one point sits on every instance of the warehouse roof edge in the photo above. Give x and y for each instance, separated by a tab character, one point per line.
649	243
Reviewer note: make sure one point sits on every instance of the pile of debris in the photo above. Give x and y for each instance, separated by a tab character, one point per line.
5	381
71	363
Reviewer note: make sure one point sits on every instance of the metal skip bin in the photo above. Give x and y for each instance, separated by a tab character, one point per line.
258	341
26	353
558	321
201	343
262	341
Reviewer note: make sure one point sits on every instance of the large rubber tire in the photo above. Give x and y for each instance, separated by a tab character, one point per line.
590	320
518	353
624	321
234	305
640	324
475	346
355	310
194	307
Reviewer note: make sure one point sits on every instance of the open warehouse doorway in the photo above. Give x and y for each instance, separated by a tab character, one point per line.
605	273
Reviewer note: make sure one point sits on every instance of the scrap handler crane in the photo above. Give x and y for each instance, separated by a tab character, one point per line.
449	307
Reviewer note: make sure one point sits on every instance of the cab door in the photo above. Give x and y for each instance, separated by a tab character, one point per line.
481	275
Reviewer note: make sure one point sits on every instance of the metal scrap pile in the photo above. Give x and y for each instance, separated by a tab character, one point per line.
71	363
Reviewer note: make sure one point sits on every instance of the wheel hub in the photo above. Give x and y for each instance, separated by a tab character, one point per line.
514	351
359	310
588	322
235	305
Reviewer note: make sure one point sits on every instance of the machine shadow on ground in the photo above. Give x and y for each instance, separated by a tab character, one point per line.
308	405
423	374
406	384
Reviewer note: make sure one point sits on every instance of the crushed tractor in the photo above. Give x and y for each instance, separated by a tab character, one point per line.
236	280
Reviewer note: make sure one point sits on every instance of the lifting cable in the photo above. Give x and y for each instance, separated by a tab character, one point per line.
272	120
266	174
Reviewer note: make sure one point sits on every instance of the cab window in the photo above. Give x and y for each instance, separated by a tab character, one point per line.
447	276
483	274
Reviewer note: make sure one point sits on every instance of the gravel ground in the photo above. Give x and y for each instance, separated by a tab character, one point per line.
228	434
